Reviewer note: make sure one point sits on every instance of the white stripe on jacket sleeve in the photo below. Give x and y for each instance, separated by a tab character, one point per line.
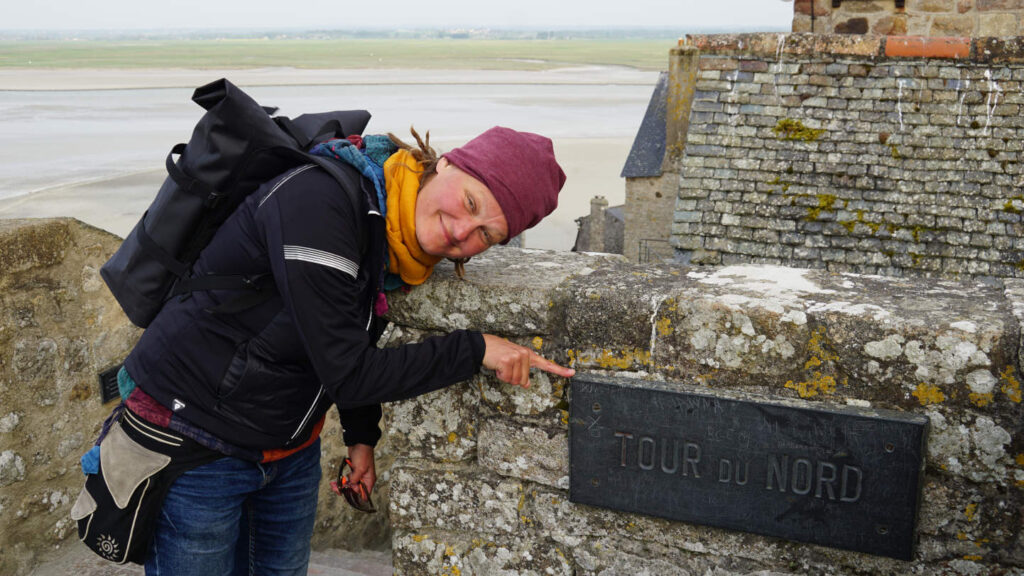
323	258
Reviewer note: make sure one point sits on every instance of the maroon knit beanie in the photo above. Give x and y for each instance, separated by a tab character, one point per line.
520	170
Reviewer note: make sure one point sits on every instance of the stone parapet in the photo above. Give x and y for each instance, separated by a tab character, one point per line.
60	327
480	482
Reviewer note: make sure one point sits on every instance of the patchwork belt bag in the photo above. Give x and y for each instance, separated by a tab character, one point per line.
117	509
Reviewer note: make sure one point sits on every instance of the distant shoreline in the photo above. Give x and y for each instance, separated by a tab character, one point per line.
64	79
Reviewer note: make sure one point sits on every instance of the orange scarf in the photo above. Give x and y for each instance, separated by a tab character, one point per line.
402	179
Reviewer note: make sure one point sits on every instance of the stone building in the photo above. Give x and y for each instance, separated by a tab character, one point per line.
909	17
870	154
602	229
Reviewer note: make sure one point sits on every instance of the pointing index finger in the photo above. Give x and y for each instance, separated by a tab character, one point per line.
538	361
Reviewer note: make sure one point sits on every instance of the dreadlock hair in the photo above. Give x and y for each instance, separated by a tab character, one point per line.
427	156
424	153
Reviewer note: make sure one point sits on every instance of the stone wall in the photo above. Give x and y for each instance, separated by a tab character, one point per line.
915	17
888	155
480	482
60	327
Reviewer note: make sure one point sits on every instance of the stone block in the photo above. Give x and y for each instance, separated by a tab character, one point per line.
531	449
1006	49
999	5
441	425
940	6
495	302
953	25
454	497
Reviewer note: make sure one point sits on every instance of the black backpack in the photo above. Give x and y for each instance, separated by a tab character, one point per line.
235	147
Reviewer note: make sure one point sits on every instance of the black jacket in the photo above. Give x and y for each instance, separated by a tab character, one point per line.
261	378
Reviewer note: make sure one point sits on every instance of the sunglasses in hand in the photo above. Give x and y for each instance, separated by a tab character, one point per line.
356	493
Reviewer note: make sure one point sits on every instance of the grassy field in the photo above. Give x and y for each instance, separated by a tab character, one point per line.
341	53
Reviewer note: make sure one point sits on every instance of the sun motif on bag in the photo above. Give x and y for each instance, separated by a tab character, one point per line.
108	547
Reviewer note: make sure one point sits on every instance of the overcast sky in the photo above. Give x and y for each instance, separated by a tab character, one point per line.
391	14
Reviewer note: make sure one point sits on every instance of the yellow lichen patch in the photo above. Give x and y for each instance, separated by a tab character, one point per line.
664	327
670	304
818	384
928	394
1019	459
812	363
971	512
972	557
538	342
816	345
980	400
1011	386
961	536
564	417
452	437
610	360
418	538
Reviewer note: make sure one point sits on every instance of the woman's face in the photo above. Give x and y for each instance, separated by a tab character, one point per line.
456	214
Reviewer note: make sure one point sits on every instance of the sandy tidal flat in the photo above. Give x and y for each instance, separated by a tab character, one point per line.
590	113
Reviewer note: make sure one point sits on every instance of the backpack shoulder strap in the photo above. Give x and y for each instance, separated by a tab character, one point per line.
349	181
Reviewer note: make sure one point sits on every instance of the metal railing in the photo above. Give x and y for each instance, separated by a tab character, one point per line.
644	245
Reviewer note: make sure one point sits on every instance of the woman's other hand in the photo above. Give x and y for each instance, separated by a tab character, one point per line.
363	468
512	362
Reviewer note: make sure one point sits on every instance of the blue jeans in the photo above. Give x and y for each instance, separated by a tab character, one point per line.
233	517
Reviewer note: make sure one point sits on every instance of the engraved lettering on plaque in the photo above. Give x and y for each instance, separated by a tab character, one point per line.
838	477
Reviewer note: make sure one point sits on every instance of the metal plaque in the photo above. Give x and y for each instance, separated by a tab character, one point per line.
844	477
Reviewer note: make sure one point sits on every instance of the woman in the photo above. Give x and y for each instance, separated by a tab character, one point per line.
247	391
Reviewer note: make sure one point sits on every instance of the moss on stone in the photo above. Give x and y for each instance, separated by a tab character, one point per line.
778	181
1012	203
851	225
825	202
789	129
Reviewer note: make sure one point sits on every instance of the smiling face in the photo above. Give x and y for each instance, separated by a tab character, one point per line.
456	214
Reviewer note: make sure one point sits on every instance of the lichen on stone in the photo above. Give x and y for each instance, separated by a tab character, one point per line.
928	394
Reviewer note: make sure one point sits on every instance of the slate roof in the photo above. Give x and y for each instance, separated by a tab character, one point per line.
648	149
